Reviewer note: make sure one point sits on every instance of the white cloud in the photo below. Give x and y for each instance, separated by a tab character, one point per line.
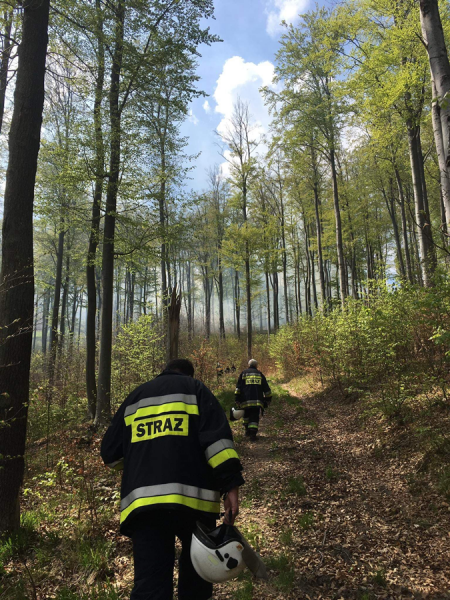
241	79
282	10
206	107
192	118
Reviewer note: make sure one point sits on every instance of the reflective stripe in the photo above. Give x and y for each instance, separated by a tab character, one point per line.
179	407
195	503
251	403
169	489
237	391
267	395
218	447
221	457
158	400
253	425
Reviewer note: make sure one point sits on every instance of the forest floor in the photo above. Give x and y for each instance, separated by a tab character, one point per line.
334	502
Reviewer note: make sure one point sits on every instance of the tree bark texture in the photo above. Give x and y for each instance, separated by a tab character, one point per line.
439	65
103	410
91	383
17	277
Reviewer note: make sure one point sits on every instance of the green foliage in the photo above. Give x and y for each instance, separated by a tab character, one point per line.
391	344
138	355
99	592
331	474
306	520
284	567
295	485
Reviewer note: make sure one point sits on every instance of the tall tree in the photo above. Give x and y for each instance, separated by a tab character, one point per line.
17	275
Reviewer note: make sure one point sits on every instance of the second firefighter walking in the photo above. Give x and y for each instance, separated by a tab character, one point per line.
253	394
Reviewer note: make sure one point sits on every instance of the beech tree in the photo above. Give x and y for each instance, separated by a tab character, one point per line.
17	273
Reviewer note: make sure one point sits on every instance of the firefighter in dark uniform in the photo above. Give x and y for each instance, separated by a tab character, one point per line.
173	441
253	395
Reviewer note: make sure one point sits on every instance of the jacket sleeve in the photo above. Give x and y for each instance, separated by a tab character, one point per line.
267	391
237	392
112	443
216	441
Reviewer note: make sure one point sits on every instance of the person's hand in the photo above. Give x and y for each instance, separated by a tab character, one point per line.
231	504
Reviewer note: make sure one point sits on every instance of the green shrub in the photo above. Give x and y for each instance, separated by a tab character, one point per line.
296	486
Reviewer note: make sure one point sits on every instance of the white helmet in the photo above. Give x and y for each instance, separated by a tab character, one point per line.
217	554
236	414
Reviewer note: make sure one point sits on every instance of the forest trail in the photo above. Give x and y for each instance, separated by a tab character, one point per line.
336	513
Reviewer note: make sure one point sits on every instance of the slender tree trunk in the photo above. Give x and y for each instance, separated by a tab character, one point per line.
91	383
339	244
404	225
319	246
444	174
45	312
17	278
423	221
390	205
249	299
237	304
56	302
440	68
221	311
4	67
62	327
103	411
269	329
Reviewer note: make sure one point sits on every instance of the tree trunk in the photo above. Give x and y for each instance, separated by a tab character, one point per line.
423	222
339	244
56	301
63	317
237	304
390	205
6	57
404	225
174	309
444	175
268	303
45	312
319	246
221	311
17	280
91	383
249	299
103	411
439	65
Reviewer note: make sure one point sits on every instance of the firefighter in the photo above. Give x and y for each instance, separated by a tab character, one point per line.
253	395
174	443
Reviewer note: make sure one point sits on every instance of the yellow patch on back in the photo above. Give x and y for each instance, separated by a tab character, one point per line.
148	429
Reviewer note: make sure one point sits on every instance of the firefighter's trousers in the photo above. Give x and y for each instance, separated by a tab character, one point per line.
251	420
154	556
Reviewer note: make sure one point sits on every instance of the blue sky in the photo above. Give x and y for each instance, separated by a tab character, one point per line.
238	66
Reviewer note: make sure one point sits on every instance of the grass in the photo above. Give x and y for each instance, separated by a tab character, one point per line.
379	578
245	591
332	474
295	485
306	520
286	536
284	580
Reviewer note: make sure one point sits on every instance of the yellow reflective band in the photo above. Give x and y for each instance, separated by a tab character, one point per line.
147	411
221	457
253	380
195	503
147	429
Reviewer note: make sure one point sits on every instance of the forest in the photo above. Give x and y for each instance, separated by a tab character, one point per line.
319	245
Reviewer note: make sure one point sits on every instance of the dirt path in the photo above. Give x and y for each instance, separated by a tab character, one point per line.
334	513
